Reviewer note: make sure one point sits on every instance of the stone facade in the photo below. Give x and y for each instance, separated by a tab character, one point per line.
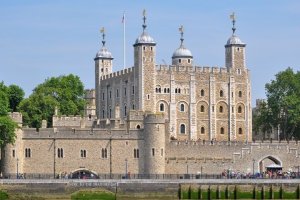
154	119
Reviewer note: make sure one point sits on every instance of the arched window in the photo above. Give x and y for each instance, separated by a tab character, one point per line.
222	130
175	90
202	93
221	93
179	60
103	113
239	109
202	109
165	90
240	131
182	129
182	107
221	109
189	60
240	93
202	130
138	127
178	90
168	90
162	107
125	110
110	113
133	107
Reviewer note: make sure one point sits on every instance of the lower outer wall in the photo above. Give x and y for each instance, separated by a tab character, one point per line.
132	188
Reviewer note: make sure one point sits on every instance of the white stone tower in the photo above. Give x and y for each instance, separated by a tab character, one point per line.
144	64
239	87
103	66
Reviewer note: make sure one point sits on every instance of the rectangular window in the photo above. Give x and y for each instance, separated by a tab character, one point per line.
60	153
27	152
104	153
117	93
132	89
136	153
103	96
13	153
162	152
125	91
83	153
153	152
110	94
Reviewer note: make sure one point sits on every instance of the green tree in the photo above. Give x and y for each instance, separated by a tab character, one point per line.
3	99
64	92
15	95
283	104
7	125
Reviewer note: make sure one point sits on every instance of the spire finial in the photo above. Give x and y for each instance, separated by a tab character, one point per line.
232	17
144	18
102	30
181	33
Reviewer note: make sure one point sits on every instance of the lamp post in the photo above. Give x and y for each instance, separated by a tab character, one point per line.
253	167
17	168
126	168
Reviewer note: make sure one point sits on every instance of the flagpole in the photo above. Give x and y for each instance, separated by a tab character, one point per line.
124	49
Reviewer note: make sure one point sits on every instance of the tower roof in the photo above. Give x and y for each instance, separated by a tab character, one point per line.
103	52
182	52
144	38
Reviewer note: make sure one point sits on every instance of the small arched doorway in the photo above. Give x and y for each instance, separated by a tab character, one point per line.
84	174
268	161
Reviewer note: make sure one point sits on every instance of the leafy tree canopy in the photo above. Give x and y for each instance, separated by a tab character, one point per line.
7	125
64	92
283	104
15	95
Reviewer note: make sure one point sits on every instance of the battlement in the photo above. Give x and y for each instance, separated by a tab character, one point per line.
90	94
196	69
17	117
118	73
73	121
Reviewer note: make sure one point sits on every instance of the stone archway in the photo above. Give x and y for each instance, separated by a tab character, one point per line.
84	174
268	160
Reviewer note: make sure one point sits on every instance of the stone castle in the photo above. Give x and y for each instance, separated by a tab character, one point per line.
154	119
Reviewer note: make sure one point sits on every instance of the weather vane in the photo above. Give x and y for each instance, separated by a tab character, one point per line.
232	17
144	18
181	33
102	30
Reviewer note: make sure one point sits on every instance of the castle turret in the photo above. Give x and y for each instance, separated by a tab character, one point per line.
144	62
12	154
103	66
182	55
154	127
235	50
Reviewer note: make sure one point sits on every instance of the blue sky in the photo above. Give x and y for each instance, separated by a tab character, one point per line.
40	39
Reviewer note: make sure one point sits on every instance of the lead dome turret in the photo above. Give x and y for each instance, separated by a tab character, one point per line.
182	55
103	53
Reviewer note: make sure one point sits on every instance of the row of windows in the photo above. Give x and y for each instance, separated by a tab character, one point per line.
159	90
109	114
202	108
117	93
83	153
202	92
202	130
